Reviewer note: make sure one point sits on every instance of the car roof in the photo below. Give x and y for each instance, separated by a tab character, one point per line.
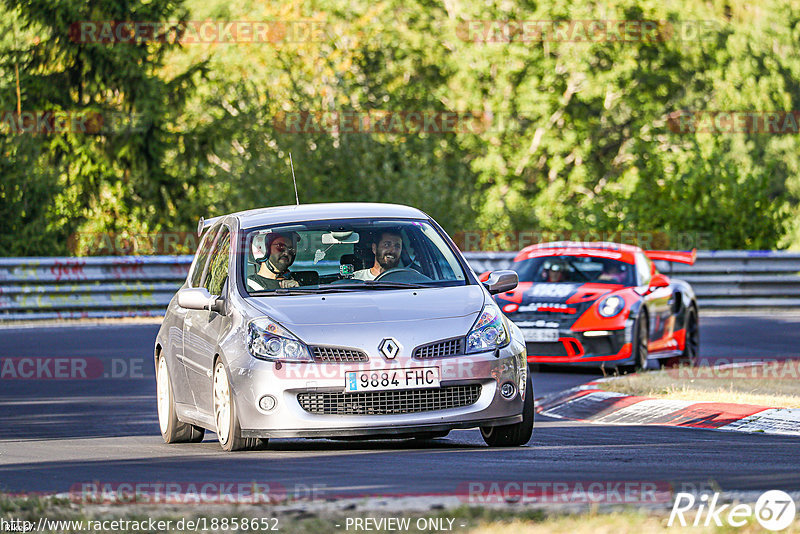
322	211
602	249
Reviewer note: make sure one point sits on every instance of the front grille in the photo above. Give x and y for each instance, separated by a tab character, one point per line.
439	349
338	354
390	402
555	348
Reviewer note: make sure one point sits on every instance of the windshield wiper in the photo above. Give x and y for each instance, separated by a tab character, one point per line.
298	291
392	285
371	284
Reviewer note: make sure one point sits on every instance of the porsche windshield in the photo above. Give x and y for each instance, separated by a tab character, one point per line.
575	269
348	255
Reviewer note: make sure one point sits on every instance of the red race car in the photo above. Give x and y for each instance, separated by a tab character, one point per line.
602	304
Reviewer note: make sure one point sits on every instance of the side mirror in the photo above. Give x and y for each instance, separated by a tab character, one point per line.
658	280
198	298
501	281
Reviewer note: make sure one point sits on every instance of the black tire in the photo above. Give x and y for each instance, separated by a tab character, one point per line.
691	349
229	433
172	430
517	434
640	341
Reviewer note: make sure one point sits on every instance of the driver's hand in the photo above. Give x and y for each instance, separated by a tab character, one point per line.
288	283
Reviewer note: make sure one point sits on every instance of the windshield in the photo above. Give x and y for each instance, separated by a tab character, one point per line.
348	255
573	269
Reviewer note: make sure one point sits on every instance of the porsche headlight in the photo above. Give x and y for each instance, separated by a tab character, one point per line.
611	306
489	332
267	340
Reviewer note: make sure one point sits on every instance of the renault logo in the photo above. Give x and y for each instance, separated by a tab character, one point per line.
389	348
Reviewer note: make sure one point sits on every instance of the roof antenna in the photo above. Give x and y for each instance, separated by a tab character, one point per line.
296	198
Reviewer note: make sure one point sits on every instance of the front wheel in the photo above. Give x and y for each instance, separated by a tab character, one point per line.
641	340
172	430
517	434
229	433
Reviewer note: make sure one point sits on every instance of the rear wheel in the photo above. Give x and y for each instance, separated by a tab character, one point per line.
691	348
172	430
516	434
229	433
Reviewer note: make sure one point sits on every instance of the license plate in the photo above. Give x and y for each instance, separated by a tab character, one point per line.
388	379
542	335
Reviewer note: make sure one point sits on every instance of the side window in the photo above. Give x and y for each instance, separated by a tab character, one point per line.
201	256
643	269
217	271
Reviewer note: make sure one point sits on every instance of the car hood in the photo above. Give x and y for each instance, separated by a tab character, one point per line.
362	319
372	306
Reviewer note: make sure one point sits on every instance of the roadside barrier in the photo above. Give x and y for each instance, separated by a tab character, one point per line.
141	286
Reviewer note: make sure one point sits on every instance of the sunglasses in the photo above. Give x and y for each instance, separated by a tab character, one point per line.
281	247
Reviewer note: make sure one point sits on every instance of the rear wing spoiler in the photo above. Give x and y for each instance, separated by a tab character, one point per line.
674	256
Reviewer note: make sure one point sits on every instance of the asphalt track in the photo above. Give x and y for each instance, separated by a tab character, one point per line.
59	433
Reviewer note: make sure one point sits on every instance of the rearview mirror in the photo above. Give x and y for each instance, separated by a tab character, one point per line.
501	281
338	238
198	298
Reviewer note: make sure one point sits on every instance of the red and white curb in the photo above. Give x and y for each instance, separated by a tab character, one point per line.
590	403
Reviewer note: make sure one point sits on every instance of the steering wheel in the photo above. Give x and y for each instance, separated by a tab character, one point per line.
416	276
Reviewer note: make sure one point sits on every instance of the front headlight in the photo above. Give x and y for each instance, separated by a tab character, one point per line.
267	340
489	332
610	306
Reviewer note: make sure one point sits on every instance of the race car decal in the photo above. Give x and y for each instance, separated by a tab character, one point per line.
680	338
551	290
589	291
517	293
546	307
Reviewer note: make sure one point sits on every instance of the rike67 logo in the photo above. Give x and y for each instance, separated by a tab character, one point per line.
774	510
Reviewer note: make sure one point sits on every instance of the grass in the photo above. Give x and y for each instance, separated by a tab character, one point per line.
775	384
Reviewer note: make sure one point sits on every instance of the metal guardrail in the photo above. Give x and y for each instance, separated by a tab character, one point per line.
141	286
93	287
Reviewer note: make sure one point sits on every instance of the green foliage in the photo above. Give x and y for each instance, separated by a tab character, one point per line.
578	140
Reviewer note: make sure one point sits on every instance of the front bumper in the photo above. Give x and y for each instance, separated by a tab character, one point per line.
251	379
578	348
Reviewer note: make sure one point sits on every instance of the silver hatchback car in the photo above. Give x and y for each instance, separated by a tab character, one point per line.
346	321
